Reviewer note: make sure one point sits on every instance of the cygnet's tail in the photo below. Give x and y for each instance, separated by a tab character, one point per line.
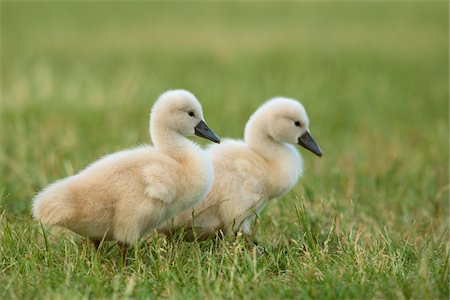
52	206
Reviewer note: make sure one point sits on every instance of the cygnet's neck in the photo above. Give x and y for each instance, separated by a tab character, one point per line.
169	141
284	163
258	139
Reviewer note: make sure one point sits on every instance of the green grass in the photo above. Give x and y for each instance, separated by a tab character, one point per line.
368	220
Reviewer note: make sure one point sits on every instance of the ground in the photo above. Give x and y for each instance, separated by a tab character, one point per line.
368	220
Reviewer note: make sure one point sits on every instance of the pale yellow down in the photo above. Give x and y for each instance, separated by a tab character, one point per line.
249	173
127	194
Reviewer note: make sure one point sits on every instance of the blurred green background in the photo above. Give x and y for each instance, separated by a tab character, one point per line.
79	79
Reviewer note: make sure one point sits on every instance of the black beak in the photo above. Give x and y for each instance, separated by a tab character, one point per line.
202	130
308	142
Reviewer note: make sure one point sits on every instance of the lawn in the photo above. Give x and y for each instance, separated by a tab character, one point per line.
368	220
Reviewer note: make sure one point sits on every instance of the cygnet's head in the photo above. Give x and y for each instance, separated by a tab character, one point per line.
180	111
284	120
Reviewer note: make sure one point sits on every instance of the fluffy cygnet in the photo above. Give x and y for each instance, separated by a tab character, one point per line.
249	173
125	195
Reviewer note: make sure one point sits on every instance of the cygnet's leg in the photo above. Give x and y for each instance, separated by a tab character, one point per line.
221	234
250	239
244	231
189	234
192	234
96	243
123	250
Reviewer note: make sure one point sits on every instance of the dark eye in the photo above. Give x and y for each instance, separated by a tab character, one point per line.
298	124
191	113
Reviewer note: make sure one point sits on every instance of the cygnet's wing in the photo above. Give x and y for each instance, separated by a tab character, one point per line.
160	180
